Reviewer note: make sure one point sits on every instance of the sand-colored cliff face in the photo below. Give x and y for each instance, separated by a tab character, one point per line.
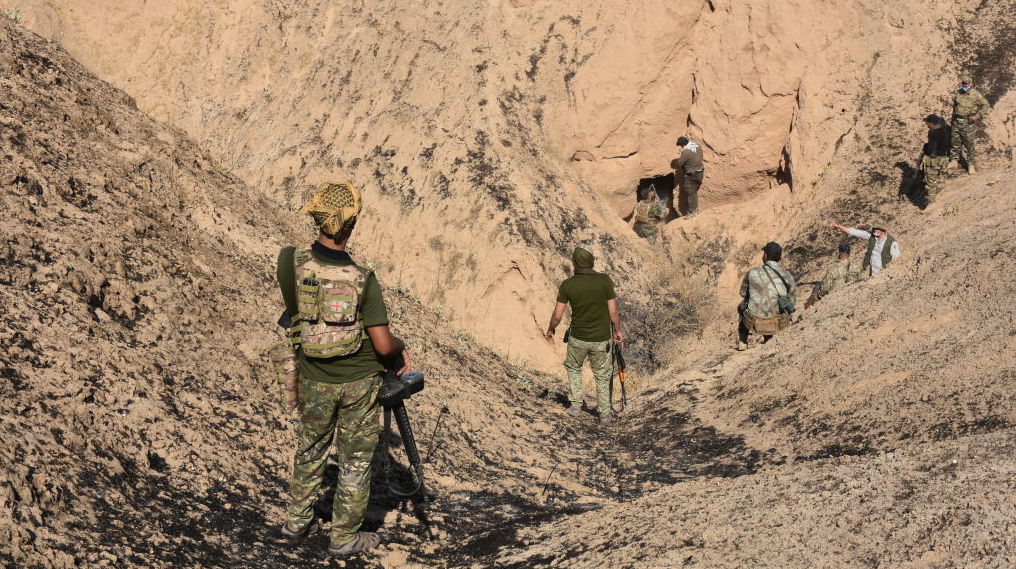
486	133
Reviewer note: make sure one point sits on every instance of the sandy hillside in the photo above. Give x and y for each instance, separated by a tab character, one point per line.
501	132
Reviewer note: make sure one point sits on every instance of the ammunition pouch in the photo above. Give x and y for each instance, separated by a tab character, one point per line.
765	326
287	370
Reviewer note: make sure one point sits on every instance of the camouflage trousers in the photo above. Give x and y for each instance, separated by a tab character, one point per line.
601	361
963	138
348	411
934	172
646	230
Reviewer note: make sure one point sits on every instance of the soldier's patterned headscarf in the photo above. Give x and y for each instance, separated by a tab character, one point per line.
334	206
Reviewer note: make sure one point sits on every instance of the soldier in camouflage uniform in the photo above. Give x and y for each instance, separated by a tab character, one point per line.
337	395
759	311
594	310
838	274
935	157
646	216
969	108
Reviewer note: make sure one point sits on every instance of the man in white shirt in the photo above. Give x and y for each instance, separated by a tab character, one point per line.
882	247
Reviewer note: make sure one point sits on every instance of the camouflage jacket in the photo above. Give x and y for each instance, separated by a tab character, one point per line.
761	292
837	275
648	210
970	104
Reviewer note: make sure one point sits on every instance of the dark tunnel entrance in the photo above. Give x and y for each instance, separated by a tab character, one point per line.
664	186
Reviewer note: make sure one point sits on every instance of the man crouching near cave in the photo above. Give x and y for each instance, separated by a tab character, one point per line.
594	310
341	328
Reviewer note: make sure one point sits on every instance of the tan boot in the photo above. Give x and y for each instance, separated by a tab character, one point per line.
953	164
971	169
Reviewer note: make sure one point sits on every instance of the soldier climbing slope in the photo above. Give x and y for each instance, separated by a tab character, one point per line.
838	274
882	247
969	109
594	310
935	157
645	219
341	329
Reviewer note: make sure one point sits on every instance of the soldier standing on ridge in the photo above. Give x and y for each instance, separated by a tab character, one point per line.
882	247
342	324
935	157
838	274
763	290
594	310
969	108
688	173
645	219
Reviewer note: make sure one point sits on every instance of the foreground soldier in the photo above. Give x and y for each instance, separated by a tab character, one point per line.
688	173
935	158
343	328
969	108
646	217
882	247
766	291
594	310
838	274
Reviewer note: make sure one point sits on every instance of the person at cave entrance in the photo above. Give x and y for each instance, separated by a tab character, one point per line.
593	311
341	330
767	293
689	173
645	219
969	108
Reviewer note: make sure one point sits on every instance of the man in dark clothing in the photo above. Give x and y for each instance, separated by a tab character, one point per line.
594	311
935	158
688	173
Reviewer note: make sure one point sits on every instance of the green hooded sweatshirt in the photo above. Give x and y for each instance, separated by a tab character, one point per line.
587	291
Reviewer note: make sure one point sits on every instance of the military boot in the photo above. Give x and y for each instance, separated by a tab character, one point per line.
971	169
953	164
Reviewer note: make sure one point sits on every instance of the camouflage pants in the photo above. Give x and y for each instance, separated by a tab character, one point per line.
350	412
963	138
646	230
602	363
934	171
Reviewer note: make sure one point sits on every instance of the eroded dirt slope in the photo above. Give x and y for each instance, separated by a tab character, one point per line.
501	132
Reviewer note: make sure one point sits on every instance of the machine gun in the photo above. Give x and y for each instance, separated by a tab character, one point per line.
395	389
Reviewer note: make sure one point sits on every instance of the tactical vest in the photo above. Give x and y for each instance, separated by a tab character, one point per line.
887	255
328	299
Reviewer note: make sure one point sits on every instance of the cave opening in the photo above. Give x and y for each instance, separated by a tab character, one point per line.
665	190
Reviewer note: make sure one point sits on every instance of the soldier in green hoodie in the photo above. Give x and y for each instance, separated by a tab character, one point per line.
594	310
